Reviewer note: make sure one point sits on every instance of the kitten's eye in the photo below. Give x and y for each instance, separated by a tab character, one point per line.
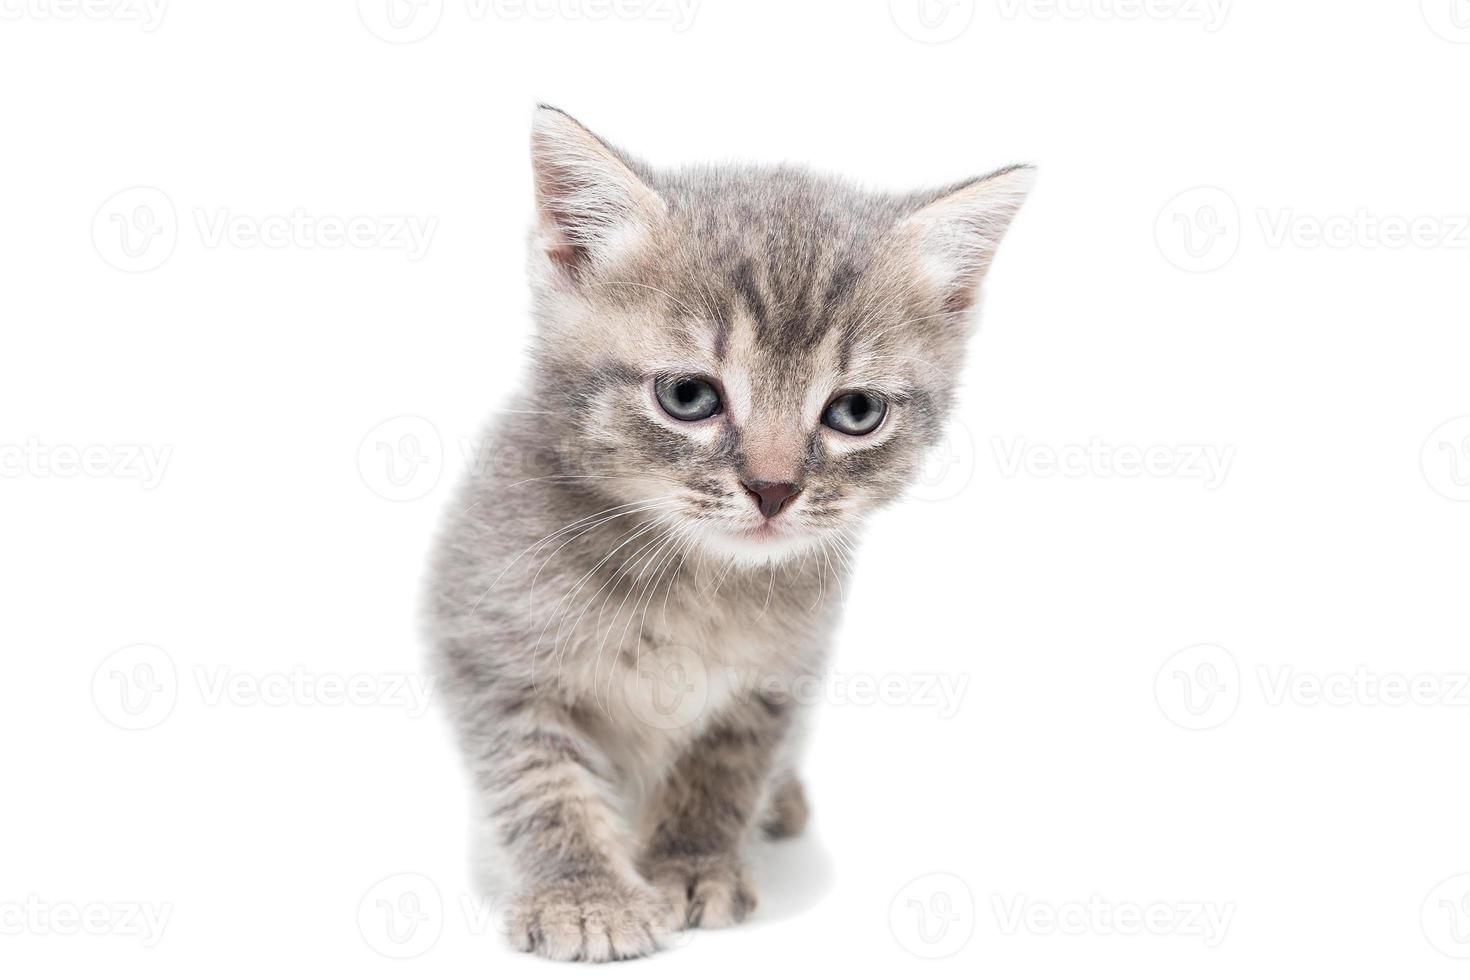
856	413
687	399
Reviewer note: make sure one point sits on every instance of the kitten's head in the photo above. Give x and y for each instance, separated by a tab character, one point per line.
761	355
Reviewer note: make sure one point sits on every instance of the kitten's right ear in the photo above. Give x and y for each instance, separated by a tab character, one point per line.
590	201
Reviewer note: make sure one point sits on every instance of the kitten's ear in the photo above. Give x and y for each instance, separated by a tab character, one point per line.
957	230
590	200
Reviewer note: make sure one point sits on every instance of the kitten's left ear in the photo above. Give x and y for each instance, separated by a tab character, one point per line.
957	230
591	200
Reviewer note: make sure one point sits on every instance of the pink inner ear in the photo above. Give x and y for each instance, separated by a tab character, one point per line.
553	187
960	298
566	256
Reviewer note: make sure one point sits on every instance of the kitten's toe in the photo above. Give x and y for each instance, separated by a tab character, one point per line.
708	893
595	921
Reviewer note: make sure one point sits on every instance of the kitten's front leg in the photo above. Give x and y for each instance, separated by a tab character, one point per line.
579	895
706	811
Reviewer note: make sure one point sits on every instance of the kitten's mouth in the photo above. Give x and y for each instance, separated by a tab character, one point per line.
760	543
765	531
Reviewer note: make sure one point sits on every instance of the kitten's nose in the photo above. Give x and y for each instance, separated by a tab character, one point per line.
771	497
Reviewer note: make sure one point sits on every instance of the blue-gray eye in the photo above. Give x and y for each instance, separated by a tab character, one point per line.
687	399
855	413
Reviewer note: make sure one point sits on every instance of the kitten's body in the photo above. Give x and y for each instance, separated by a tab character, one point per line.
619	624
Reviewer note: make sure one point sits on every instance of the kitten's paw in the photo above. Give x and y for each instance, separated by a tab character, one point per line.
711	892
593	919
787	812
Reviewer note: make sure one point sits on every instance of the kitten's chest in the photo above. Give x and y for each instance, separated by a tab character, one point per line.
679	671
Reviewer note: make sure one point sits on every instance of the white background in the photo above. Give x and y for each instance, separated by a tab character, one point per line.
270	550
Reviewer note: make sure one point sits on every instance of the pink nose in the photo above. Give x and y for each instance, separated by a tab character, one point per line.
771	497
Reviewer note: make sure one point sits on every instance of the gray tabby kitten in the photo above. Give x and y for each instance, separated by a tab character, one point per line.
733	367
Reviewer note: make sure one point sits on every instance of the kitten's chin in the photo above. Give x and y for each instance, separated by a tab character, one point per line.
760	547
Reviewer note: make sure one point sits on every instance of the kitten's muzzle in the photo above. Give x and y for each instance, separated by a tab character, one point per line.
771	497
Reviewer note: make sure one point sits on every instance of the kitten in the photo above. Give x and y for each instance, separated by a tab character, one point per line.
732	368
